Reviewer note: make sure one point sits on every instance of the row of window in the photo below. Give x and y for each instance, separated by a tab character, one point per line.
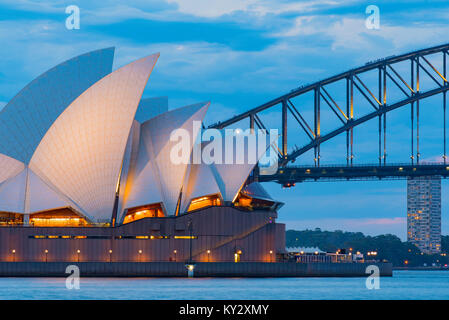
110	237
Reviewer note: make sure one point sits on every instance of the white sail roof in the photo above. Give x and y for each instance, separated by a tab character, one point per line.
199	182
27	117
128	166
41	196
143	184
94	136
157	178
9	167
12	193
82	152
255	190
27	193
237	161
172	175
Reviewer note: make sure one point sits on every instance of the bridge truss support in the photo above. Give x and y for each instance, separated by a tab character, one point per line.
408	85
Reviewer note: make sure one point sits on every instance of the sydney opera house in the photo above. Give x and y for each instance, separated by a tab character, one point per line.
85	175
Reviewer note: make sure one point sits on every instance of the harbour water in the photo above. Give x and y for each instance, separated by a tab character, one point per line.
403	285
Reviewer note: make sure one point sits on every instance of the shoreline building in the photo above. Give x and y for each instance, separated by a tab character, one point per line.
86	175
424	213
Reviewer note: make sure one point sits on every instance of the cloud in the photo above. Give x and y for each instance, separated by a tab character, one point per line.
34	6
108	11
117	13
350	33
216	69
258	8
212	8
192	66
34	46
94	13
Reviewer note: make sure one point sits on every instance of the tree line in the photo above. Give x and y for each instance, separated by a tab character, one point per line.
388	247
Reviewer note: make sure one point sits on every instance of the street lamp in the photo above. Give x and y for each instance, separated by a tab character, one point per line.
140	255
175	252
271	255
237	255
46	253
208	255
110	255
13	255
190	268
78	254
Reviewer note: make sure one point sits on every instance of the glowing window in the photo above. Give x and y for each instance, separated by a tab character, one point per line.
185	237
149	211
203	202
64	217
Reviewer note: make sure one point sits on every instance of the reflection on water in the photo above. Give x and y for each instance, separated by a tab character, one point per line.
403	285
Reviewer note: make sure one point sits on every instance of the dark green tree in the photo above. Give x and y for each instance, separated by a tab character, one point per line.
389	247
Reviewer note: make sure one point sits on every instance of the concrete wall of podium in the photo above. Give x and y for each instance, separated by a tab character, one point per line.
202	269
213	234
223	242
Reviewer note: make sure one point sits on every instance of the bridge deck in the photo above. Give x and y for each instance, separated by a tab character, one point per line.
292	174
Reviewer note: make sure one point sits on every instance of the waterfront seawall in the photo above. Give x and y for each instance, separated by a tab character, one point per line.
202	269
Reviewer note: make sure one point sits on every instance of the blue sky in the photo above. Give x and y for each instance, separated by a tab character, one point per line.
239	54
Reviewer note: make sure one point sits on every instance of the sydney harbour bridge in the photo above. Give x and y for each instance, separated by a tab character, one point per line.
384	85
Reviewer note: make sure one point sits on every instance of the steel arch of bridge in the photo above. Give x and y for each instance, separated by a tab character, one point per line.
410	88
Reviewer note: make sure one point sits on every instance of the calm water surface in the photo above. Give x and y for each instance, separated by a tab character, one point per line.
403	285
